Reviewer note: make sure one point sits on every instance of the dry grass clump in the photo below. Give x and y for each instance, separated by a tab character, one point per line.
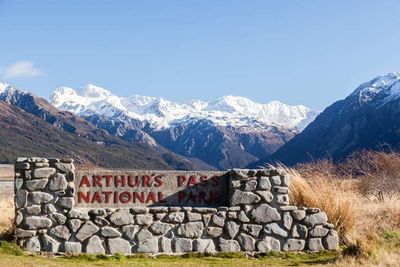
316	185
7	216
361	197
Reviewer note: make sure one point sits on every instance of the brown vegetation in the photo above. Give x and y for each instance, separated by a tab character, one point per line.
361	197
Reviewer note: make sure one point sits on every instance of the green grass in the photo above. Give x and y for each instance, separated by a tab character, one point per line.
12	255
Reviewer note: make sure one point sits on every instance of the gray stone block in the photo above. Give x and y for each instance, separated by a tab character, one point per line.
182	245
318	231
190	229
118	245
94	246
165	245
43	172
274	228
20	199
61	232
148	245
214	231
204	246
50	244
287	220
64	167
58	182
299	215
193	217
231	229
108	231
38	184
331	240
121	217
144	234
21	233
219	218
265	214
243	217
252	229
86	231
74	224
294	245
228	245
144	219
32	244
72	247
246	242
40	197
264	183
299	231
34	210
269	244
317	218
66	202
36	222
315	244
129	231
160	228
242	198
266	196
175	217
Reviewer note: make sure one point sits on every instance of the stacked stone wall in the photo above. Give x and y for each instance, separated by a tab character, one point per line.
258	218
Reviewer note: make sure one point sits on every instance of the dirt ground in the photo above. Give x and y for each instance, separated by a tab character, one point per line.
6	196
6	172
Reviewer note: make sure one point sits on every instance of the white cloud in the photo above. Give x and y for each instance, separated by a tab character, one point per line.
21	69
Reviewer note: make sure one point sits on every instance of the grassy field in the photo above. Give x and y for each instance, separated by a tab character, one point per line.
360	196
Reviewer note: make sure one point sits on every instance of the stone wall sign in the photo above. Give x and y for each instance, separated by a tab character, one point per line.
150	188
60	210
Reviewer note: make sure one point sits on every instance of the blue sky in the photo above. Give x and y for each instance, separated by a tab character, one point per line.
298	52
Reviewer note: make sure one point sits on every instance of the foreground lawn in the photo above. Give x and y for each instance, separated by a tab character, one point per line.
11	255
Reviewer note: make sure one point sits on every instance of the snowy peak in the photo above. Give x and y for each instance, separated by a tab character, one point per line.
229	110
3	87
91	90
384	88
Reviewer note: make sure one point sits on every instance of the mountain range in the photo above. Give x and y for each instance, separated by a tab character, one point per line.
367	119
226	133
94	126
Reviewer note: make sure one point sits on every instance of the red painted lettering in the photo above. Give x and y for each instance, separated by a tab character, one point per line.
82	196
97	198
107	196
140	197
85	181
192	197
120	181
161	197
133	181
204	180
151	197
192	180
181	196
108	180
125	197
215	180
202	197
97	181
181	180
159	181
146	181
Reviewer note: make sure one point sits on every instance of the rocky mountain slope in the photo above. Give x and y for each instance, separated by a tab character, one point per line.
226	133
30	126
366	119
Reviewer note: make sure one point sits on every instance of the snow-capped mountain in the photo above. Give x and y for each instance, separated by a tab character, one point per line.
366	119
229	132
161	113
